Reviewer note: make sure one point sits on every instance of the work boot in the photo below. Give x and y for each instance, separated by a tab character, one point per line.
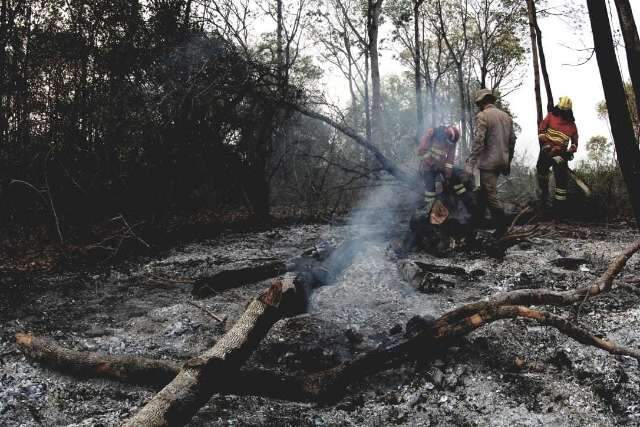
559	211
500	222
444	242
470	204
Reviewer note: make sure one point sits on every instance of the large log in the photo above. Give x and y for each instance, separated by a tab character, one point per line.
177	402
156	372
232	278
319	265
132	369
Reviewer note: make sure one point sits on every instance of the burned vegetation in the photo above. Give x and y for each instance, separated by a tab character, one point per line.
351	329
193	234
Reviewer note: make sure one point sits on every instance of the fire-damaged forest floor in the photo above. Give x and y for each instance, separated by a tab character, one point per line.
507	373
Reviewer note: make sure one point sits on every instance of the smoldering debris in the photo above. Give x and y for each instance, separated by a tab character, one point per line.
474	383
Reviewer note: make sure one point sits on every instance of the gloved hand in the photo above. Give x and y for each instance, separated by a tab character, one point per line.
468	168
448	172
572	149
556	151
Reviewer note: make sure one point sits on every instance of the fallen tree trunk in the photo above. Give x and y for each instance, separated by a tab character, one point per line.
156	372
319	265
232	278
177	402
132	369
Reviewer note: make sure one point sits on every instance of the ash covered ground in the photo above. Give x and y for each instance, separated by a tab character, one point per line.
508	373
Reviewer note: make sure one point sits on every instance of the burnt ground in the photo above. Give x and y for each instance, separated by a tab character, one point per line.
508	373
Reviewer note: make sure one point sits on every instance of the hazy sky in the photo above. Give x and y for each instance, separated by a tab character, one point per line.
567	42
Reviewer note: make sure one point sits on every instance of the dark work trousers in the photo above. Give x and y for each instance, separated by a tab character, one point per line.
457	183
488	197
560	173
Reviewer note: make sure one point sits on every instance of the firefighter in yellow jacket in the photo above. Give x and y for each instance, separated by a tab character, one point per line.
558	137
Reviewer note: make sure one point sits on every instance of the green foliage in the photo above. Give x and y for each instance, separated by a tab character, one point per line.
600	150
601	108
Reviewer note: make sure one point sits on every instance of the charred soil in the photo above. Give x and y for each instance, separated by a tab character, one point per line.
508	373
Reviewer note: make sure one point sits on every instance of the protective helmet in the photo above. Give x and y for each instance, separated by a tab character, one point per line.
453	134
565	103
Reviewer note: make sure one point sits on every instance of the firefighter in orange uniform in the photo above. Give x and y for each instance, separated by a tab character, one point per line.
437	151
558	137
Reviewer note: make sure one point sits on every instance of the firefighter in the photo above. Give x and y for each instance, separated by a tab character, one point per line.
437	152
558	137
491	153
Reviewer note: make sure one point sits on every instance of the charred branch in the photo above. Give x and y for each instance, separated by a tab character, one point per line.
384	161
157	372
177	402
232	278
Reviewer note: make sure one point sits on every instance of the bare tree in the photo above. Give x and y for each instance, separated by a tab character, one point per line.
451	18
374	9
417	75
632	44
497	52
341	32
543	61
534	54
619	117
436	64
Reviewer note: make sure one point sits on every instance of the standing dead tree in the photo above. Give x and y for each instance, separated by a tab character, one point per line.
619	117
534	56
538	53
374	10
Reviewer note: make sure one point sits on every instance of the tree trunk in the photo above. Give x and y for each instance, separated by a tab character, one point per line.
543	61
376	91
158	372
367	101
534	54
4	124
352	92
632	44
280	46
417	74
434	92
187	16
619	117
465	147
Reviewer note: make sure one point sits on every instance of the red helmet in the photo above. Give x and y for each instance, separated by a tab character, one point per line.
453	134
